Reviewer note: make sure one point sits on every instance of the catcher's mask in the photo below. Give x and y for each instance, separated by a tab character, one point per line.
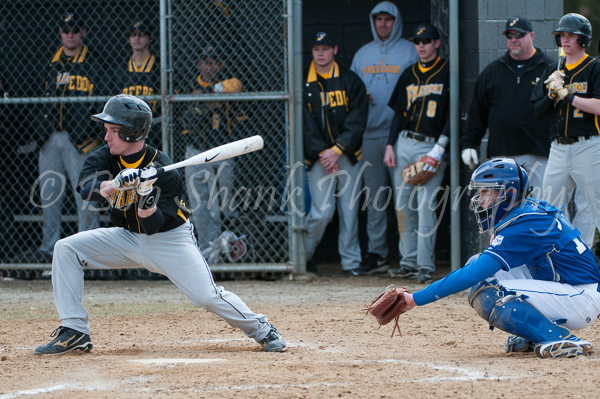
508	179
576	24
132	114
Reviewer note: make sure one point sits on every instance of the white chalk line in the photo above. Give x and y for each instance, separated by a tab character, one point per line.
160	361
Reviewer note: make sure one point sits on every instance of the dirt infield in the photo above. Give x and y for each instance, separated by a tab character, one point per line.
151	343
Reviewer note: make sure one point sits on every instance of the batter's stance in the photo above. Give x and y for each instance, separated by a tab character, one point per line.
537	280
152	231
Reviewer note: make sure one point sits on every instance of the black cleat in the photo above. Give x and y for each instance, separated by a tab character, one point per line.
66	340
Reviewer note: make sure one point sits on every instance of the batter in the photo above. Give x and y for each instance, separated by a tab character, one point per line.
152	231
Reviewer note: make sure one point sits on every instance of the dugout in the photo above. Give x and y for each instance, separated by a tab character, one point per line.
480	24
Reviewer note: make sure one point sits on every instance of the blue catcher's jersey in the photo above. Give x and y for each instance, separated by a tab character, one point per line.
538	235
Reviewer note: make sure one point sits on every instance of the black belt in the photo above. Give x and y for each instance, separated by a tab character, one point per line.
418	136
570	140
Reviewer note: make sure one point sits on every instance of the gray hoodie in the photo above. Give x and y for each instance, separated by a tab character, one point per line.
379	64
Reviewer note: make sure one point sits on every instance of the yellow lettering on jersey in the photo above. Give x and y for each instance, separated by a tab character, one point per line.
216	121
76	82
413	92
331	98
123	199
577	87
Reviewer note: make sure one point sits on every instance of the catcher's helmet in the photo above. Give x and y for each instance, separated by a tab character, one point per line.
133	114
508	178
576	24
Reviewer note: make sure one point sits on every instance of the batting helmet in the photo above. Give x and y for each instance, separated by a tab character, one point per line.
576	24
132	114
511	182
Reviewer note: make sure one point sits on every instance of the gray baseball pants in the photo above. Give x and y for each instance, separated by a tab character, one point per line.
173	253
576	165
376	177
416	207
327	192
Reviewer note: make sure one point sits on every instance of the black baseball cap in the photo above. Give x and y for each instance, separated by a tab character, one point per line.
70	20
518	24
140	26
425	31
323	39
208	51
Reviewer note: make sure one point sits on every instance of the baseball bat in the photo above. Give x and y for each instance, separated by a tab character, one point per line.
561	58
220	153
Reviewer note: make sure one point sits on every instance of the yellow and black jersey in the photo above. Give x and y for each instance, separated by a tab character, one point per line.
583	80
142	80
68	77
422	95
103	166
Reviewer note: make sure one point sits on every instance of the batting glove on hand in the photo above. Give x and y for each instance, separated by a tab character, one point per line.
555	77
147	178
469	157
127	179
436	154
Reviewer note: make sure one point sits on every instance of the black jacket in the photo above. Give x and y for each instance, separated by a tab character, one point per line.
501	102
341	122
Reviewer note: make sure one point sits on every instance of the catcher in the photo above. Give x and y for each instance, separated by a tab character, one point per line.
537	280
421	101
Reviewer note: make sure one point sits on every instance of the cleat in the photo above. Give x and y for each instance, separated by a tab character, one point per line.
403	271
424	276
514	343
66	340
352	272
569	347
373	264
273	342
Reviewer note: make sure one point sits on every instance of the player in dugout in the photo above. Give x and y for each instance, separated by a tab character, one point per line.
152	231
537	280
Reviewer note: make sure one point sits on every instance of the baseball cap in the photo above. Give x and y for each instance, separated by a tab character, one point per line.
141	26
323	39
208	52
70	20
518	24
425	31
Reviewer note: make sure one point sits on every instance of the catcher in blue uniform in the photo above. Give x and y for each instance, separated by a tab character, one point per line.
537	280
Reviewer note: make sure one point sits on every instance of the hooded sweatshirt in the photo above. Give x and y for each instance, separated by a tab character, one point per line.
379	64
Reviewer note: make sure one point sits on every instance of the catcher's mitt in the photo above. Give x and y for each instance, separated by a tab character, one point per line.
416	173
388	306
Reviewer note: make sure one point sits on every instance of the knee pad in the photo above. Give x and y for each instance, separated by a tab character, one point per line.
483	296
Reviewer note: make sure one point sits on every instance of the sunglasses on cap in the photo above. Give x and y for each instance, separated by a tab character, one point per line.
424	41
518	35
67	29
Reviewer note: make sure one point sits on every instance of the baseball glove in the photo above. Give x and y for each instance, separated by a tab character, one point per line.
417	173
388	306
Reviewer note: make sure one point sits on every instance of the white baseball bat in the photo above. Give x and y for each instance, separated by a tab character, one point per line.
220	153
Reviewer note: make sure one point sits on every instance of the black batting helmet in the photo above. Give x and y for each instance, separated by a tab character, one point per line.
576	24
133	114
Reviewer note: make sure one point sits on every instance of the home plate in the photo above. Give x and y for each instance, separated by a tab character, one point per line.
175	361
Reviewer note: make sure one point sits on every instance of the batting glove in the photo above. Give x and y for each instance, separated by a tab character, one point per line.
127	179
436	154
147	178
469	157
555	77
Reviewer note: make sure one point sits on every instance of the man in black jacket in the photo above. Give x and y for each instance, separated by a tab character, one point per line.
501	103
335	116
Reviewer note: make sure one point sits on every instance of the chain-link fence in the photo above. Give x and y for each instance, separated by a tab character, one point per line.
222	67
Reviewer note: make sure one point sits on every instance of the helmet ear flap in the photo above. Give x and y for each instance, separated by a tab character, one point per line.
557	39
